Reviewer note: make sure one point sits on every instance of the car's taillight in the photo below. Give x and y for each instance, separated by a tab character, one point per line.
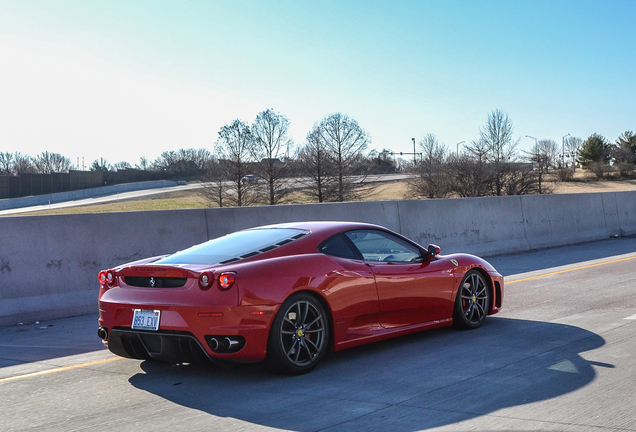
107	278
226	280
205	280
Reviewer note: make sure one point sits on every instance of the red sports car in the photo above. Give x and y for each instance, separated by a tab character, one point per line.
288	293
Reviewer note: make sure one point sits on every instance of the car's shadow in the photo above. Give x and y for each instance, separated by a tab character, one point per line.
414	382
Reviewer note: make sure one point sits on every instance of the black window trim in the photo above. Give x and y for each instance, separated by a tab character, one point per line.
347	240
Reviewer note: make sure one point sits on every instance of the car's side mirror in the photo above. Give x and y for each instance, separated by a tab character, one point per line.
433	250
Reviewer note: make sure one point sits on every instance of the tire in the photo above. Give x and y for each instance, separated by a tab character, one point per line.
472	302
299	336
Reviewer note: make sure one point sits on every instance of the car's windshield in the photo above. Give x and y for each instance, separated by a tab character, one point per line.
235	246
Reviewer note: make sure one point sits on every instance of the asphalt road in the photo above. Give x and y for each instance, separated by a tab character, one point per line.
559	357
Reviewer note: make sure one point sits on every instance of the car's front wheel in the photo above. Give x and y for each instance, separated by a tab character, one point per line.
299	336
472	302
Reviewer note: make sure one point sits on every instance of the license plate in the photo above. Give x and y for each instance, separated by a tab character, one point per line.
144	319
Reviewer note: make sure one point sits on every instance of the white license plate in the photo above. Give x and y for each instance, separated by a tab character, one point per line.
144	319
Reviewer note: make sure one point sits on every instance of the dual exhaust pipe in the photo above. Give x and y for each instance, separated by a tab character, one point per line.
218	344
225	344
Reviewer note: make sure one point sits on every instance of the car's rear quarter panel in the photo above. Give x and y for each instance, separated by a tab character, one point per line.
346	287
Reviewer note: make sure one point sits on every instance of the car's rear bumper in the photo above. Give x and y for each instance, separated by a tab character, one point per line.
185	332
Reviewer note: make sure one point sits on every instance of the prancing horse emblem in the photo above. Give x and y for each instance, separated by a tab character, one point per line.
152	282
455	263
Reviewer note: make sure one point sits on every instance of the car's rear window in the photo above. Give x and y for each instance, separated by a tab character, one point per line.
235	246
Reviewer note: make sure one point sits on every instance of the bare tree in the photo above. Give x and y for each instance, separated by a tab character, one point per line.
143	164
543	156
401	164
215	186
100	164
566	165
550	150
382	162
271	144
522	179
496	147
182	160
345	142
23	164
235	148
430	178
572	147
195	158
120	166
316	166
46	163
469	176
6	163
15	163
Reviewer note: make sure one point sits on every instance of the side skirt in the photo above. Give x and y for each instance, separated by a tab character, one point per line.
392	332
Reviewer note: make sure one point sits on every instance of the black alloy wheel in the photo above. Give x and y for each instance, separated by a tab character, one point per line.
299	335
472	302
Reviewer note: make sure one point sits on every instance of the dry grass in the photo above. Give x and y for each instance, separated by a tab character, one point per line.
587	185
586	182
168	201
377	192
388	191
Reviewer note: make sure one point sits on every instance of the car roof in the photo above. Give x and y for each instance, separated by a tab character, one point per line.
324	228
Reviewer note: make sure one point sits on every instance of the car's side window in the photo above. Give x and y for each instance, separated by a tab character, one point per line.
381	246
339	246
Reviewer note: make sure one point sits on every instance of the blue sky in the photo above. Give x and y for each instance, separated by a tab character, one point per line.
125	79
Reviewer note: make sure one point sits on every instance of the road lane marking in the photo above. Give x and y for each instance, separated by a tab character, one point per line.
633	317
570	270
60	369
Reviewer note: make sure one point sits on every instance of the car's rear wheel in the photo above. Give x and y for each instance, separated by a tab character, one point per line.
472	302
299	336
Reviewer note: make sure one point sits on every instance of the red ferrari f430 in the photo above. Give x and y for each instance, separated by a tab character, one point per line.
286	294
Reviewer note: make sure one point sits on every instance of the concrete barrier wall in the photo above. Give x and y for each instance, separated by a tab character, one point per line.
49	264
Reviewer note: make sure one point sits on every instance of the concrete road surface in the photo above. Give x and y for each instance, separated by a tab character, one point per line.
560	357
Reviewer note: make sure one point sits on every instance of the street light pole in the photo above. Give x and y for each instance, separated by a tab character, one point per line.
536	146
414	160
